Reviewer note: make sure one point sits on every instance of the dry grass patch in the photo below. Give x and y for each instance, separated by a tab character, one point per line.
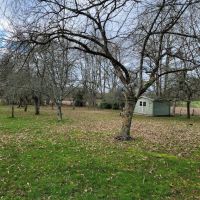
177	136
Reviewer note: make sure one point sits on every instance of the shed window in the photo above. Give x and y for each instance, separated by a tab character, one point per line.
140	103
144	103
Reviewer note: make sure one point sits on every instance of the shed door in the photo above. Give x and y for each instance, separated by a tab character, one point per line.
143	107
161	108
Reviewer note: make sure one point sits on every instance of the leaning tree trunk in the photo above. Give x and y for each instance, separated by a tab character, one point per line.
37	105
59	111
127	116
188	109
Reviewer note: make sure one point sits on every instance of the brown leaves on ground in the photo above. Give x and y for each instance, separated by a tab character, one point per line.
169	135
172	135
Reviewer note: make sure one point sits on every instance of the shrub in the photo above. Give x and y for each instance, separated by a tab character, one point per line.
105	105
115	106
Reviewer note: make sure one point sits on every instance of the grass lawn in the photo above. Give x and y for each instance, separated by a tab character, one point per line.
194	104
78	158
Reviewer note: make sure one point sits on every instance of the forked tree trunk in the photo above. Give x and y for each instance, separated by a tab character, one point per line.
127	116
59	111
188	109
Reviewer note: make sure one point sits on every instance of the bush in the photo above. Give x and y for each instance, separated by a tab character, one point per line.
79	98
115	106
105	105
113	100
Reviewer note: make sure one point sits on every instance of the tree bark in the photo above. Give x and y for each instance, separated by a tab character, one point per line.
127	116
188	109
25	104
59	111
52	105
25	108
20	102
73	104
37	105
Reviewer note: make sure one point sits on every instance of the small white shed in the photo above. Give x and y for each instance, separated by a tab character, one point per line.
152	107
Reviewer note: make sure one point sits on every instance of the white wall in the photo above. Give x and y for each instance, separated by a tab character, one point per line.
144	106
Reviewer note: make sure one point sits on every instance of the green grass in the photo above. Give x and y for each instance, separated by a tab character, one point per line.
194	104
41	158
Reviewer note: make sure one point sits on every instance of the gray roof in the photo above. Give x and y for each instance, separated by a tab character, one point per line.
155	99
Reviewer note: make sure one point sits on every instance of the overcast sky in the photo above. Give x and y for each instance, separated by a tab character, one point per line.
3	20
4	25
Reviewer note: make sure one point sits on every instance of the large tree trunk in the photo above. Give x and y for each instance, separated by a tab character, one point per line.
188	109
127	116
37	105
59	111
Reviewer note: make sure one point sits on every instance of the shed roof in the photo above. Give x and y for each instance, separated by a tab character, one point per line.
145	97
155	99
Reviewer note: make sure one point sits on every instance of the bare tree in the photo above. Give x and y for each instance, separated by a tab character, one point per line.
100	26
62	78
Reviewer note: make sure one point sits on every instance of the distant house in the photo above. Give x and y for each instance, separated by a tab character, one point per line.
152	107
